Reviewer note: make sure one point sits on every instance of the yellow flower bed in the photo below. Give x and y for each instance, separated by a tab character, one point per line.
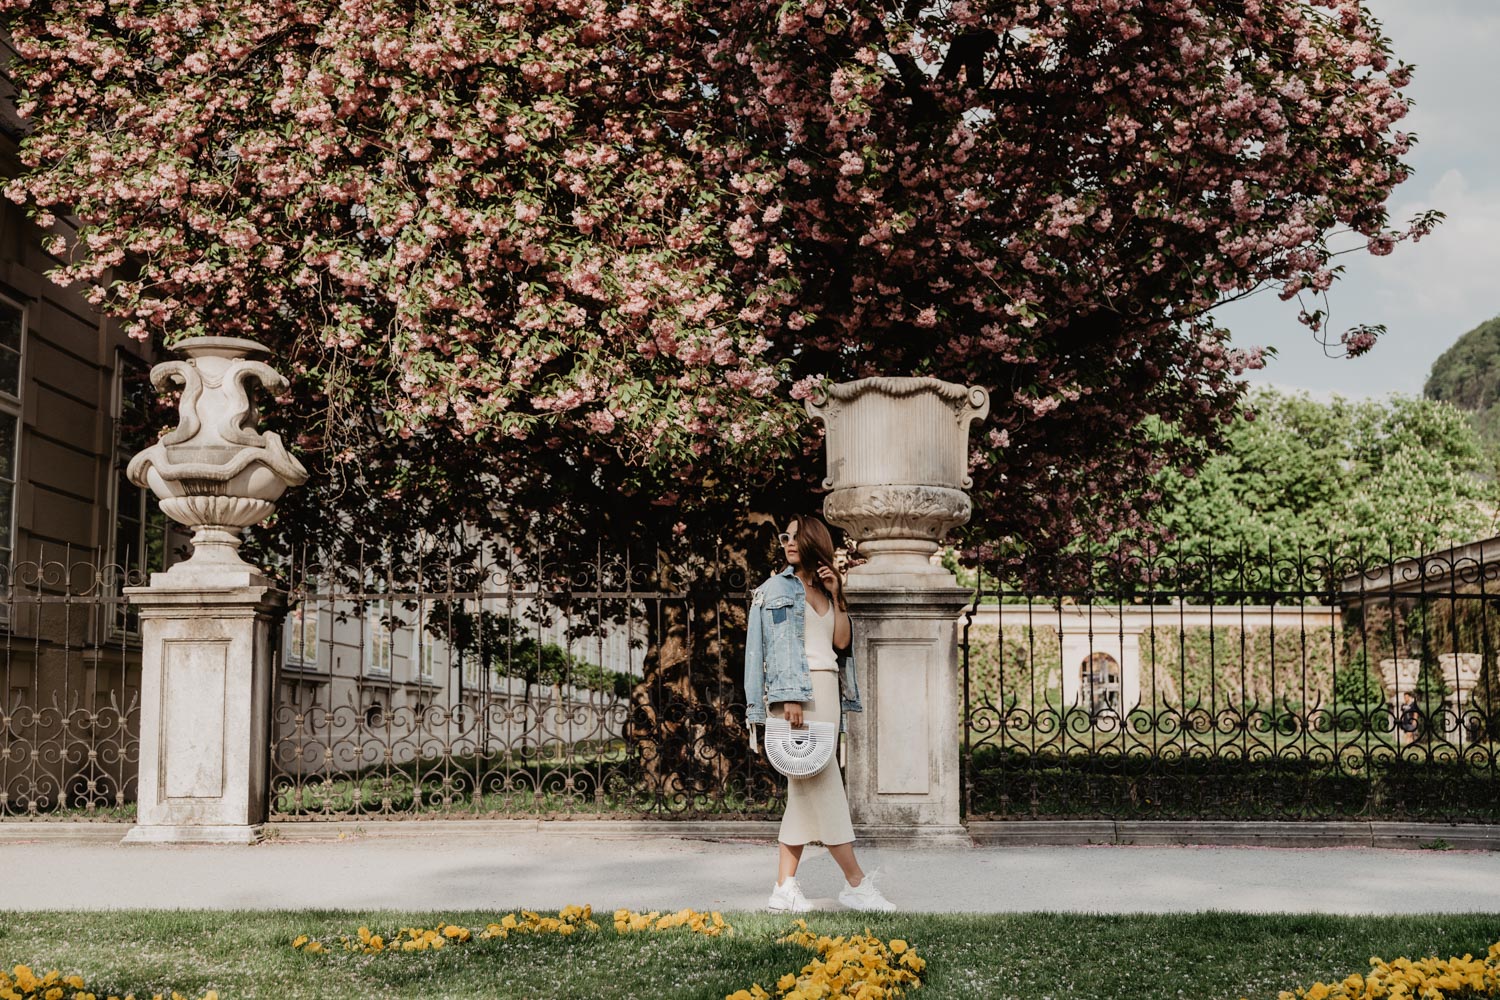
406	939
20	983
569	920
1466	978
707	924
858	967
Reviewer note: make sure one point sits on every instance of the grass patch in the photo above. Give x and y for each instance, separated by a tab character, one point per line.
1214	956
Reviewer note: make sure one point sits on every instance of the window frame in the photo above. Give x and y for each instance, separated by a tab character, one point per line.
380	635
15	406
425	652
1098	690
302	619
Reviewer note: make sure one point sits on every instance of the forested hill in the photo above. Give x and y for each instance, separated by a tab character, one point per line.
1468	376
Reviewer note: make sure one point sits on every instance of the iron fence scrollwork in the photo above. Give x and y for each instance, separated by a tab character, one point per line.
1212	686
514	681
69	691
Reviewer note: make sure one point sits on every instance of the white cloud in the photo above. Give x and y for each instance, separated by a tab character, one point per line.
1453	275
1427	294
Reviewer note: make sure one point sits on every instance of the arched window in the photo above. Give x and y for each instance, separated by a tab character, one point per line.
1101	683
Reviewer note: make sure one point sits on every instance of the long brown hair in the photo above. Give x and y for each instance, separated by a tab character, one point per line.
815	549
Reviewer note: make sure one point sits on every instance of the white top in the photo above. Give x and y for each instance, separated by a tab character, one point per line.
818	639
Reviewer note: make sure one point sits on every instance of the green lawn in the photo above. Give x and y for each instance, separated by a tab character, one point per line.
1027	957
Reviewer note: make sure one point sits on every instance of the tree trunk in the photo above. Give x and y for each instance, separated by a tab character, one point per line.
686	726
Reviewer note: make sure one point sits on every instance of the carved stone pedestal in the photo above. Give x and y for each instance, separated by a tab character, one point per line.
904	762
205	712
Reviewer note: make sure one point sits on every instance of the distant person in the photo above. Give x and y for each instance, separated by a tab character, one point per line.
798	635
1409	720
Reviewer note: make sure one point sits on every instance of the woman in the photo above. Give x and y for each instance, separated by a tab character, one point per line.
797	659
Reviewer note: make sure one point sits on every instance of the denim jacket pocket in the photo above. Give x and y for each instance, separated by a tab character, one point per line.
779	611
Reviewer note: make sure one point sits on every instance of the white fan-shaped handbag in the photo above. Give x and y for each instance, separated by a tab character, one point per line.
800	752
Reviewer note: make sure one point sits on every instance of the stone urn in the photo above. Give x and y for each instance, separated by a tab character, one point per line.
898	466
1400	675
1461	672
215	473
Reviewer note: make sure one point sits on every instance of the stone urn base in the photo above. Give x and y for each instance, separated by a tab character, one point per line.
898	528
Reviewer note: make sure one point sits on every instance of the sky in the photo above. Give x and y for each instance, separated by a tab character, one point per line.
1431	293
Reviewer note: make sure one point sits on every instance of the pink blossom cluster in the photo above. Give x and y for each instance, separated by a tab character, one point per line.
496	203
1050	198
640	233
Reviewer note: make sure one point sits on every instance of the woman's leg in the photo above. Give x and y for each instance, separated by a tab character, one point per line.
844	855
788	857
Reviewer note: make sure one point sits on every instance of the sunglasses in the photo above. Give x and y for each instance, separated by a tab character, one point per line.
785	539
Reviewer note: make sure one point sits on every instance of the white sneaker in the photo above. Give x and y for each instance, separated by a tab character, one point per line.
865	896
787	898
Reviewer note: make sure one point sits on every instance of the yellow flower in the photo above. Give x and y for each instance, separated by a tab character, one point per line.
898	946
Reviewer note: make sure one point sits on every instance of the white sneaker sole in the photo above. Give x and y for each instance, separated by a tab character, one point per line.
857	907
788	909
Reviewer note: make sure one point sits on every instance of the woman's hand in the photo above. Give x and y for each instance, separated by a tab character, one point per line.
791	711
832	582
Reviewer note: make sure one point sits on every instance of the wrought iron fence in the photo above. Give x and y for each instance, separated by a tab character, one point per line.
521	681
69	691
515	680
1208	686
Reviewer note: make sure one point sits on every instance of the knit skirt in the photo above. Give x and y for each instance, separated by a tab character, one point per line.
817	808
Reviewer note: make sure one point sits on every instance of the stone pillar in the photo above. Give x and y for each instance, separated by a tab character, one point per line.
898	460
1400	675
1460	672
205	712
207	624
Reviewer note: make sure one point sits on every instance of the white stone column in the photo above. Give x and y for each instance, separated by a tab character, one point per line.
898	468
1399	676
205	712
1461	673
904	763
208	623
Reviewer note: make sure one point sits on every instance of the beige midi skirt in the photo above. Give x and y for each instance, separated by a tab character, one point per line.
817	808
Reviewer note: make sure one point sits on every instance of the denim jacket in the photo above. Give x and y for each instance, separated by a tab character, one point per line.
776	654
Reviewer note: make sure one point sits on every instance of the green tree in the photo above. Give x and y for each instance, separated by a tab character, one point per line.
1396	476
1468	376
